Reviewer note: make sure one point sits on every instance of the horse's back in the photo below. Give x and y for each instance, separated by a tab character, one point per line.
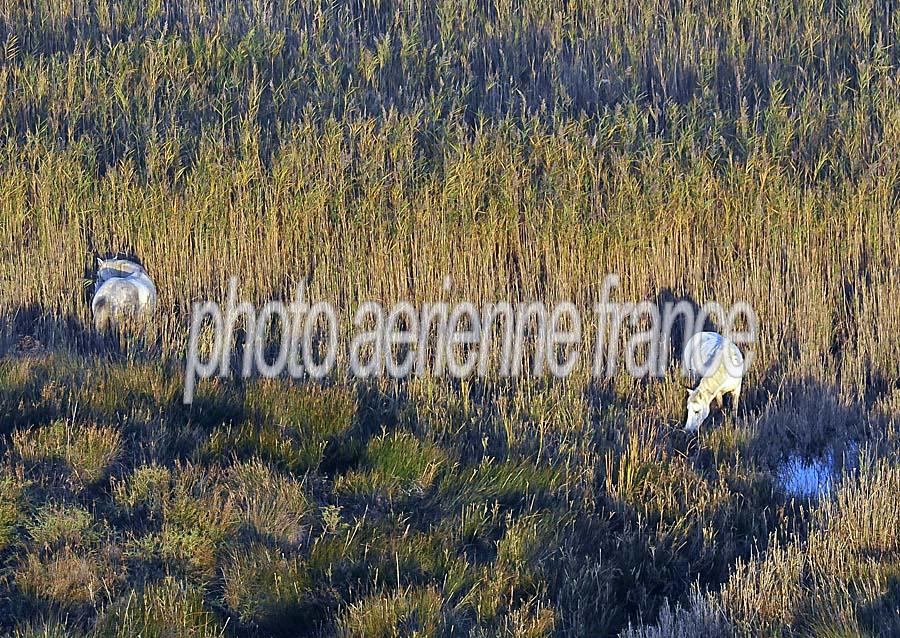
109	269
706	352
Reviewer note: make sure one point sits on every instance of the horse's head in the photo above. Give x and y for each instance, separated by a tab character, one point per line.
697	411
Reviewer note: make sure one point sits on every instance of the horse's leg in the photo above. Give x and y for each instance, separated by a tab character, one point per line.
735	398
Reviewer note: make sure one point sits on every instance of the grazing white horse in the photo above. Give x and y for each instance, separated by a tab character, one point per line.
123	289
720	365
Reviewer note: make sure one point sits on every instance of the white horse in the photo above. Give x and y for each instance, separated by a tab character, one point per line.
122	289
720	365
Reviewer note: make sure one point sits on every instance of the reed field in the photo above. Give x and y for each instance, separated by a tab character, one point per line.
455	150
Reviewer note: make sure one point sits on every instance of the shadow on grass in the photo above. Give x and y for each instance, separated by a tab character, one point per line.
804	416
882	616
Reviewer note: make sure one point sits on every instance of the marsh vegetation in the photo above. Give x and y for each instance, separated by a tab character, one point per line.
702	150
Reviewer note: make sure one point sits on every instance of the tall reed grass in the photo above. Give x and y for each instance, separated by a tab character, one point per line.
703	150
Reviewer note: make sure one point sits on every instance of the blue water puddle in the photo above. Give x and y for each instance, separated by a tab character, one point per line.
805	476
